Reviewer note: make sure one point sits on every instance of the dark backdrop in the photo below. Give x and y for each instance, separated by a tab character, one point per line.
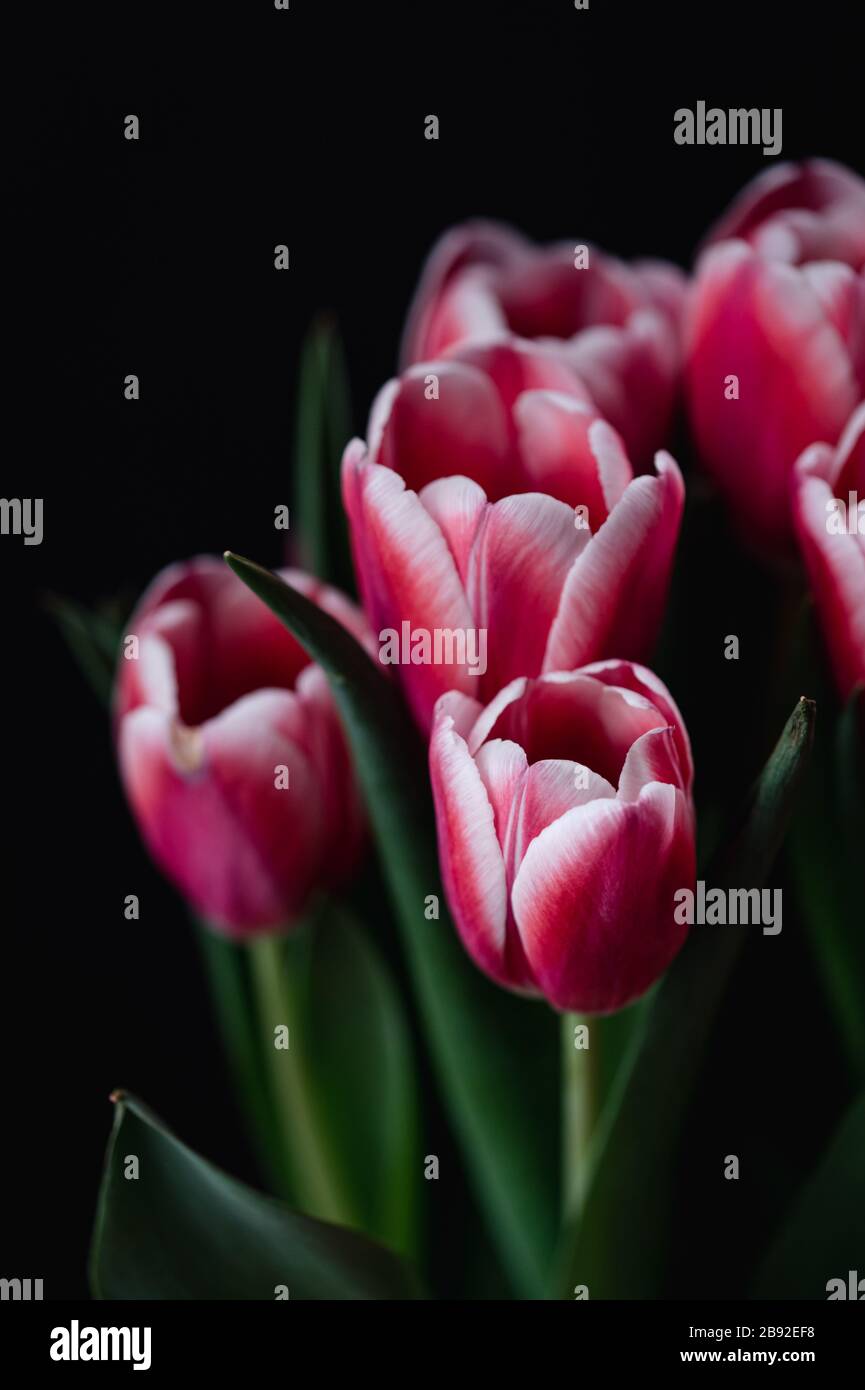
156	258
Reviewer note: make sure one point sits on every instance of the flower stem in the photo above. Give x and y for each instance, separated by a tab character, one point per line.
278	980
579	1104
228	972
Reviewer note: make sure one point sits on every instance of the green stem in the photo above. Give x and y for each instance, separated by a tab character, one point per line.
228	971
278	986
579	1106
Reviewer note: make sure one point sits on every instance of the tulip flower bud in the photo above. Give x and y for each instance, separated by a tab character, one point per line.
829	513
813	211
537	584
617	324
230	748
775	358
565	829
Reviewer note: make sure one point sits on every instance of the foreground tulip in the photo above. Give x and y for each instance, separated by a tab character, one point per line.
813	211
565	828
829	510
775	358
617	324
230	748
514	587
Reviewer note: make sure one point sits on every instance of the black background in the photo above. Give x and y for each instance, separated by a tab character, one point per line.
261	127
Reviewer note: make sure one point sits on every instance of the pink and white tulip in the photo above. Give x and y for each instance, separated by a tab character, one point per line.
813	211
828	497
550	587
617	324
775	358
219	701
565	828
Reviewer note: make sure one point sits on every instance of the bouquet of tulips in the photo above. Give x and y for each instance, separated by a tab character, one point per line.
467	914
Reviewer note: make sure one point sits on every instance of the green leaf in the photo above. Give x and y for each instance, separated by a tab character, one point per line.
185	1230
340	1105
827	836
824	1236
363	1074
92	638
322	432
325	1146
232	991
496	1057
617	1246
280	975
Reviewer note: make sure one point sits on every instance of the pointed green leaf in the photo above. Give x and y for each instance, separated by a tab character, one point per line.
340	1102
496	1056
825	843
617	1246
93	640
182	1229
363	1072
823	1237
322	432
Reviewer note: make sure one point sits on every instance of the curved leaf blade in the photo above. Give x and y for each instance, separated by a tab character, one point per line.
824	1235
183	1229
355	1039
826	840
323	428
497	1058
617	1245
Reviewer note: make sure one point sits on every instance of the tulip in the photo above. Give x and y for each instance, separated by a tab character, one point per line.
617	324
829	512
230	749
565	828
546	585
813	211
775	358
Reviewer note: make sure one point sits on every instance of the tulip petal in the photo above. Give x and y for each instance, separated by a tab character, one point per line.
593	899
463	428
439	315
612	600
206	641
841	293
836	568
250	648
651	758
456	505
462	709
550	788
488	716
628	675
762	322
173	660
631	373
343	818
244	851
502	766
570	453
516	365
523	549
408	574
800	212
665	287
468	311
473	868
850	457
174	666
570	715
